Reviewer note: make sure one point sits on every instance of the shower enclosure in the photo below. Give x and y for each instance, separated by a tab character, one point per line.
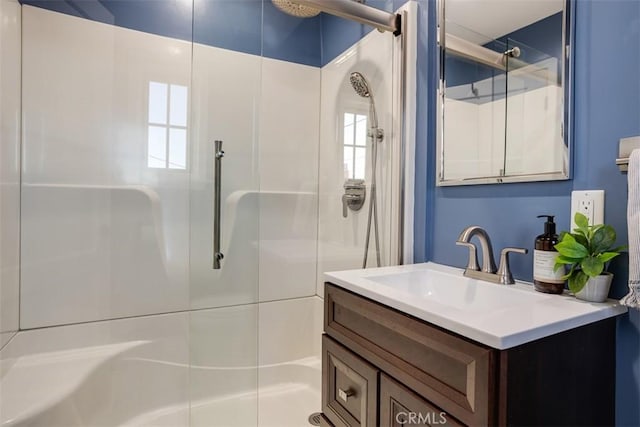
172	186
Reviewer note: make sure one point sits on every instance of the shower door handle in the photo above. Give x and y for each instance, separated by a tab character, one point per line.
217	187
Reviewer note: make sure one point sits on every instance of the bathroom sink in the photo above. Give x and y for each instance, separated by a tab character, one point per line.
455	291
500	316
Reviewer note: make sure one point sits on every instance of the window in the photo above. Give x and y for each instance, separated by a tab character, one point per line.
167	129
355	145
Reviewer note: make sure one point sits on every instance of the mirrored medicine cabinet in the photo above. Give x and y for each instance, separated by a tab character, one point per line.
504	91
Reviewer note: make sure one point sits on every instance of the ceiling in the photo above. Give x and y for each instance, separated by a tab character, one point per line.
490	19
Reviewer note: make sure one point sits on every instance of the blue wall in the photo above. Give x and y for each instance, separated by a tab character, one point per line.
249	26
607	108
256	27
339	34
543	36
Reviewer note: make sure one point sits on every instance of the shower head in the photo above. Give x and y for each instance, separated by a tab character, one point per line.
292	8
360	84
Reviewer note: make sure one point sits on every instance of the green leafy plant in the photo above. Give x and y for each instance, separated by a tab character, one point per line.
587	251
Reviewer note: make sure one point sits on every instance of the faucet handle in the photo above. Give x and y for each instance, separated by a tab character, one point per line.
473	256
504	271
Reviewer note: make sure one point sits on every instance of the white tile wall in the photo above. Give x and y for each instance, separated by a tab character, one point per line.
10	38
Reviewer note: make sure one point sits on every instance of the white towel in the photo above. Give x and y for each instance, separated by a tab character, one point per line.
632	299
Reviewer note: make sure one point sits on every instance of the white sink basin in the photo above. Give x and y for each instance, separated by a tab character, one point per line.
455	290
500	316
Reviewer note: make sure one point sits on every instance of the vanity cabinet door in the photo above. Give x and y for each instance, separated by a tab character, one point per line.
349	387
400	406
453	372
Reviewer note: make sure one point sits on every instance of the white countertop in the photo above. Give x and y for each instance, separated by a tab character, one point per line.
500	316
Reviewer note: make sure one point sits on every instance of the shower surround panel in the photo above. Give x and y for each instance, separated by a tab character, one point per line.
10	38
105	236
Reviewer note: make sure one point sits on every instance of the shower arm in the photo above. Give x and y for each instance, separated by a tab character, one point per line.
349	9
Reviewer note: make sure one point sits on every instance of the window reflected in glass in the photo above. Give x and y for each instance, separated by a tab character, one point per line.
355	141
167	127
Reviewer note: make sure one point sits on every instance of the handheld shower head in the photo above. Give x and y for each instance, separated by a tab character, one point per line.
361	86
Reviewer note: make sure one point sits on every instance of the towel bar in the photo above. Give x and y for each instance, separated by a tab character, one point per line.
627	145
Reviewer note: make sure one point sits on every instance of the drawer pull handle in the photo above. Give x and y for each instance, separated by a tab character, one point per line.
345	394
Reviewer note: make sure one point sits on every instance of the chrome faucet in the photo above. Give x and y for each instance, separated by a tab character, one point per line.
488	272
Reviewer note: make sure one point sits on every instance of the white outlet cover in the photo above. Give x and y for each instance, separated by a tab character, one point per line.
590	203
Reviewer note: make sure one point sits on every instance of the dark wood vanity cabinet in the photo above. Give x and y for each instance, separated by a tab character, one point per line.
382	367
400	406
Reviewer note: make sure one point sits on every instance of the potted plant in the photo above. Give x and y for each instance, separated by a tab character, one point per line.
587	252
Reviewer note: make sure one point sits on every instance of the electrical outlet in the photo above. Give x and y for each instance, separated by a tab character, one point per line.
590	203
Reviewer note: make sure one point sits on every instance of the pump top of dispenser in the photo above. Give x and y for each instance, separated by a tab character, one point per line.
549	225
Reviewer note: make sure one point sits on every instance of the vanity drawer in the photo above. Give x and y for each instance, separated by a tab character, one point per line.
349	387
400	406
454	373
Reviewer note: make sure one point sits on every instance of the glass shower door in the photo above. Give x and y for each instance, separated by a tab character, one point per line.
226	78
121	110
105	198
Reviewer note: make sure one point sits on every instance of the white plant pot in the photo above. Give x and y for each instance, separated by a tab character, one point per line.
596	289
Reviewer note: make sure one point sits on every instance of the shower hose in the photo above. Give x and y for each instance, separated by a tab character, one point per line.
373	211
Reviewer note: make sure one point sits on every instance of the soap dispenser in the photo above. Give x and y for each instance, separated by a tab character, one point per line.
544	259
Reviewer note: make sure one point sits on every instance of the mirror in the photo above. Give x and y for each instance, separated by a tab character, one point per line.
502	109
